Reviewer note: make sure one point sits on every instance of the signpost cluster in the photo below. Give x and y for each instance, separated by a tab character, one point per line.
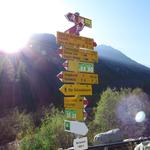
79	76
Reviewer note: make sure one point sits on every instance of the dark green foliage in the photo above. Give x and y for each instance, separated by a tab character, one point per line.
118	108
105	115
50	135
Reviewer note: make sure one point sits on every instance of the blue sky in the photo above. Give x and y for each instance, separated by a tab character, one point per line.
122	24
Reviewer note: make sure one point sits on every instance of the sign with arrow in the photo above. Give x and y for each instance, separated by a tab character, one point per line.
75	102
76	89
78	77
76	127
75	18
77	66
74	114
79	22
79	54
74	40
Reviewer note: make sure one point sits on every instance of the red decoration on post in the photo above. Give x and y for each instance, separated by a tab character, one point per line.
79	23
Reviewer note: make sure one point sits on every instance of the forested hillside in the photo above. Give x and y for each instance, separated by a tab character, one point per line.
28	78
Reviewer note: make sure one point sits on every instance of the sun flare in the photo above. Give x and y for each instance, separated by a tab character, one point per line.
22	18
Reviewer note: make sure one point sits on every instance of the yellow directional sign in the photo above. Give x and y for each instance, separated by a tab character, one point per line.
79	54
76	89
77	66
74	102
74	40
77	77
74	114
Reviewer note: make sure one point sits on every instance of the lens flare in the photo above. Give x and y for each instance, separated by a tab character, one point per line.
128	107
140	116
130	113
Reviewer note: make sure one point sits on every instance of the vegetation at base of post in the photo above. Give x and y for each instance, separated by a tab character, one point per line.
44	129
50	135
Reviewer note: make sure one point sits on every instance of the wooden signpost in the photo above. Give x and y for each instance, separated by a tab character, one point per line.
80	58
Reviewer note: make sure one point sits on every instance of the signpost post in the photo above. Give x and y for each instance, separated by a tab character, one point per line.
80	58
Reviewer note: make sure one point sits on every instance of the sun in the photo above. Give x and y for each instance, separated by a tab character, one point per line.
22	18
12	35
12	43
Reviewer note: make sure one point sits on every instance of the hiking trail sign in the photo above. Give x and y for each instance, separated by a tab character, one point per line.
76	89
77	77
79	23
80	56
75	102
76	127
74	114
75	18
70	40
72	65
80	143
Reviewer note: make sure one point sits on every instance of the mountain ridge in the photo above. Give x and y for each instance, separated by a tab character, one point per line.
117	56
34	70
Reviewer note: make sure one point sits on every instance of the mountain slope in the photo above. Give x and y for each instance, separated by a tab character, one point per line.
115	55
28	79
117	70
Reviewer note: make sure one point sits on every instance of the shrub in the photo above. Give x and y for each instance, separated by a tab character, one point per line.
15	125
117	109
50	135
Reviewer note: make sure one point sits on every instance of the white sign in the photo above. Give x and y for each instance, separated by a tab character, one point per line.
76	127
80	143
